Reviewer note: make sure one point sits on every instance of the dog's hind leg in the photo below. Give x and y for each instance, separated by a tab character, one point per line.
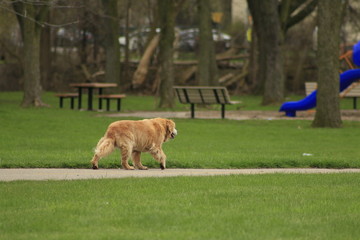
137	161
125	155
104	147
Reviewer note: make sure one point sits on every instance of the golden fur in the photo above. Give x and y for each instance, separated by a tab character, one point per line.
133	138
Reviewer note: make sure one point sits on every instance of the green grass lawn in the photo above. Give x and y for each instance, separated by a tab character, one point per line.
53	137
275	206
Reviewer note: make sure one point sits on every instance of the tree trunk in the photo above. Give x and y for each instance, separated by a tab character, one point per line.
126	79
254	64
273	60
45	55
328	105
207	74
227	9
272	19
167	22
31	32
270	41
112	46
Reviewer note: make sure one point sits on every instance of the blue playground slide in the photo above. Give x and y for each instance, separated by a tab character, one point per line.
346	79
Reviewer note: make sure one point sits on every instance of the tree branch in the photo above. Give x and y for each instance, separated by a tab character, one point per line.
284	12
301	14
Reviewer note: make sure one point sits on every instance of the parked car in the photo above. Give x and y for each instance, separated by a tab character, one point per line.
137	39
188	39
66	37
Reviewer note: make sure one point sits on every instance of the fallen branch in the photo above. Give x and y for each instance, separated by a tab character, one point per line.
226	78
89	77
186	74
220	58
143	67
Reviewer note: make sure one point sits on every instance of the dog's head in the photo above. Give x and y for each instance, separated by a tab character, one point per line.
171	131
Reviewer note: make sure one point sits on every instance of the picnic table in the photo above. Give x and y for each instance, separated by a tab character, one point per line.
90	87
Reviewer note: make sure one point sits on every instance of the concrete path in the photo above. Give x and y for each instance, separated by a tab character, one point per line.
351	115
14	174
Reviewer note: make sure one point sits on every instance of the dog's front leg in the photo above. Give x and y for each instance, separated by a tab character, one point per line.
159	156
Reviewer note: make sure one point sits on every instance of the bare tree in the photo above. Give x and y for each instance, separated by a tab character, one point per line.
126	80
30	17
272	19
111	42
167	24
328	105
270	40
45	53
207	70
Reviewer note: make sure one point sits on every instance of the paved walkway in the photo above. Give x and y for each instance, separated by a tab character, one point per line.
351	115
234	115
13	174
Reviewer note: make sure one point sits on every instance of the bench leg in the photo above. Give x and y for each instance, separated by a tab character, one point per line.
108	104
100	99
192	110
222	111
90	100
61	102
80	98
100	103
354	101
119	104
72	102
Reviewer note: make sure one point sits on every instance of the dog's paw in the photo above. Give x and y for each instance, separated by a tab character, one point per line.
143	168
162	166
128	168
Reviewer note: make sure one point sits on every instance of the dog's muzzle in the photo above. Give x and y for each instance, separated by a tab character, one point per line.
173	134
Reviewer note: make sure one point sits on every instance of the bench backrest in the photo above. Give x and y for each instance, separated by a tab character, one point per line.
310	87
203	95
353	92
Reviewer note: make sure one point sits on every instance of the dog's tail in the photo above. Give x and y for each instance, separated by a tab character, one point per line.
105	146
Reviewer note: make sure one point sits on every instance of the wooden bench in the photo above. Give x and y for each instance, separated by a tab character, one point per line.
108	97
72	97
204	95
353	91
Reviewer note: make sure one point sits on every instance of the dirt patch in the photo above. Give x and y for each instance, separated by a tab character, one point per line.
350	115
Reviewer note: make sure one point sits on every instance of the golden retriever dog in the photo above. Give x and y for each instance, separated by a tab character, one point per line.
133	138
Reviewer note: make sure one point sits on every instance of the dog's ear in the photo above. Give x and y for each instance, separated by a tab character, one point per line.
170	125
170	129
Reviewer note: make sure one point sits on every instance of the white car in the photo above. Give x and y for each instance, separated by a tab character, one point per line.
188	39
137	39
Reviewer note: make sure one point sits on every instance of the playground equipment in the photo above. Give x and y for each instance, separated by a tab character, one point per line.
346	79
